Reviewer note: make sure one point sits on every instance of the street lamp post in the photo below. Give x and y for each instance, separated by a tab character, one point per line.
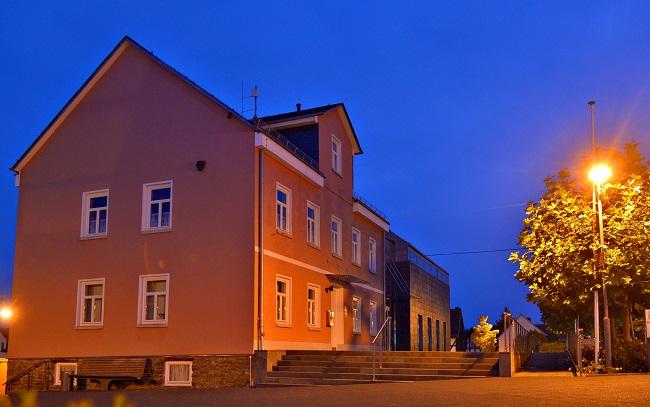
593	202
599	174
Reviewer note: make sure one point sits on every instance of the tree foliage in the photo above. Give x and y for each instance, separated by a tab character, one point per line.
560	236
483	336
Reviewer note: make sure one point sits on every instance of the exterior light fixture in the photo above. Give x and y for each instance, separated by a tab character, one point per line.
600	173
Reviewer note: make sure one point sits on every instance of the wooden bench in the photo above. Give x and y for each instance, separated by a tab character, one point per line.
109	370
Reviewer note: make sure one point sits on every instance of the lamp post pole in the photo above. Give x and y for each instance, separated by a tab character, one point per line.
593	203
601	260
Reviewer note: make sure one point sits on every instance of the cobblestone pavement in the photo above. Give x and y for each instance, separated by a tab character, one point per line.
541	390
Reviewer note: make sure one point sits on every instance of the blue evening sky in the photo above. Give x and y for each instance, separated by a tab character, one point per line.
461	108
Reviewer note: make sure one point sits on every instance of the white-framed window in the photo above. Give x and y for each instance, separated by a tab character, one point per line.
356	244
283	300
313	224
336	155
337	226
90	309
356	315
157	206
61	367
313	306
372	255
178	373
94	215
283	209
373	318
154	300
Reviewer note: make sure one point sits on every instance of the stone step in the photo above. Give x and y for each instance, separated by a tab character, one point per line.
402	361
393	352
301	368
307	370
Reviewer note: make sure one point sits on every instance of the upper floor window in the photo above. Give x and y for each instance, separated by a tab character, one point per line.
336	155
283	209
356	241
157	206
356	315
336	236
313	306
313	224
91	303
154	292
372	255
283	300
94	217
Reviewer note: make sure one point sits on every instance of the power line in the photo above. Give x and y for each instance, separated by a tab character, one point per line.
474	252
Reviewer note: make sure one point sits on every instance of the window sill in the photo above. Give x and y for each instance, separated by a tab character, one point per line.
283	325
357	333
372	271
161	230
356	264
85	327
338	256
315	246
314	328
339	173
283	233
152	325
94	237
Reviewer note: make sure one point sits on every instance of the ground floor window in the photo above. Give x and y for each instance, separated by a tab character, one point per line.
283	300
356	315
59	368
178	373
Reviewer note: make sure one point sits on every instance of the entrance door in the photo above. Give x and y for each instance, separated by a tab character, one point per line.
337	306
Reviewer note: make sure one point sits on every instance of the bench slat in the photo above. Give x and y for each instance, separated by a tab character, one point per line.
105	371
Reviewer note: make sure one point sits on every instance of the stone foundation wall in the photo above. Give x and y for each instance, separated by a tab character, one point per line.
208	371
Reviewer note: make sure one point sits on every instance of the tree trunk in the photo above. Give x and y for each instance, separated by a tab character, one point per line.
626	318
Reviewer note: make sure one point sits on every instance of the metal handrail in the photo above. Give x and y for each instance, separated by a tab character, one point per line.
374	347
28	372
286	143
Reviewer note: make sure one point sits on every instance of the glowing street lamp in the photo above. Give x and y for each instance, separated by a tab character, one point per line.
5	310
599	174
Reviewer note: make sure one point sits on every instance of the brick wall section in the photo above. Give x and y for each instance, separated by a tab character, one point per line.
208	371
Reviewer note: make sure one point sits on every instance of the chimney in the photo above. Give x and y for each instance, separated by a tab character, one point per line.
298	107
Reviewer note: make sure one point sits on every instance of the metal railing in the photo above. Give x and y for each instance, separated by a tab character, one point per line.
284	142
367	204
374	348
27	372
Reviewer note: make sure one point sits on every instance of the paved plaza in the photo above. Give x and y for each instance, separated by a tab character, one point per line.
524	390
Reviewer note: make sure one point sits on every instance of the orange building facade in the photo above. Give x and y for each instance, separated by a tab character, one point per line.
155	221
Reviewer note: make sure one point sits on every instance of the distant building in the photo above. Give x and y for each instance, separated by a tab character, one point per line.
457	330
417	292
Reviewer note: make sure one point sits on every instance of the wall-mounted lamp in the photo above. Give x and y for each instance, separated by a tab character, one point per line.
200	165
330	288
229	115
5	309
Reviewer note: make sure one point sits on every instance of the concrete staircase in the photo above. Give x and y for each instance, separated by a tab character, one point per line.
355	367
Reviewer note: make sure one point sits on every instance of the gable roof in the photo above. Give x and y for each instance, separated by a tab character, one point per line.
69	107
318	111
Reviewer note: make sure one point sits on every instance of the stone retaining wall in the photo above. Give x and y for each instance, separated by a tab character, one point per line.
208	371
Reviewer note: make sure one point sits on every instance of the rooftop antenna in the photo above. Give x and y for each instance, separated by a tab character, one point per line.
254	94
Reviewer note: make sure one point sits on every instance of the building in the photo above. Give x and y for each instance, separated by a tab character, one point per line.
155	221
457	330
417	293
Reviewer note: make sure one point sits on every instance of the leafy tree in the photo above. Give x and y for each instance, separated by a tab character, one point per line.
483	336
559	239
